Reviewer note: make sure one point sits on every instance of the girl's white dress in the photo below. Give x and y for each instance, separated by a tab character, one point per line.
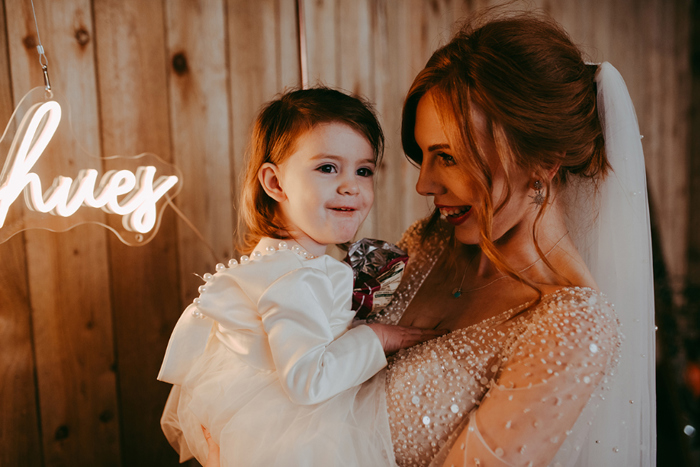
267	360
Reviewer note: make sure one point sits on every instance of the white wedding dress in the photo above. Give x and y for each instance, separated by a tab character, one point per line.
517	382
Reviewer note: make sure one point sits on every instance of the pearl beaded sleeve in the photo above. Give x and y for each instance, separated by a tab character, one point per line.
562	360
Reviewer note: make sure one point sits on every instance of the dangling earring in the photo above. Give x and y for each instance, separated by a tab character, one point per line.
538	199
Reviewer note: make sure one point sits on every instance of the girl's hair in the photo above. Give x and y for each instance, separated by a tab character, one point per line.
529	81
277	129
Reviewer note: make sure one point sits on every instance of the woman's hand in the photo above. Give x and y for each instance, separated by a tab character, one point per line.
395	338
213	457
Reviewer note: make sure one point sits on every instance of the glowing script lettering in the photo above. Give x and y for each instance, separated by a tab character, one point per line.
140	191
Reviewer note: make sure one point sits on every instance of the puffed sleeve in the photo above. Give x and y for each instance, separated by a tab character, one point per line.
312	365
556	365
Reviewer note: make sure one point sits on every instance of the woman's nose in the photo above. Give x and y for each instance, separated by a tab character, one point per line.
428	181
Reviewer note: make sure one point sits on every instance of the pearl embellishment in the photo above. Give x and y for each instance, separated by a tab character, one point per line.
220	267
197	314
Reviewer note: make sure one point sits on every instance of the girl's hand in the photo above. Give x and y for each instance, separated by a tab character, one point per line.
395	338
213	457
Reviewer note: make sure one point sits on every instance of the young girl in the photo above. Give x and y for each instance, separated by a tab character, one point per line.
266	358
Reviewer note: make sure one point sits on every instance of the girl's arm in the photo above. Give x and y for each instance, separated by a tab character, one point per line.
312	365
555	368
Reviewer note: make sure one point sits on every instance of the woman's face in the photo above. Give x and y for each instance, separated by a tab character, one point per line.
442	176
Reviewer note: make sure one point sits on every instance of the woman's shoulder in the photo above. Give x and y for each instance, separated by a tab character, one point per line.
578	311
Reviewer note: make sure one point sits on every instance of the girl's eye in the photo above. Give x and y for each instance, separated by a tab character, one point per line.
327	169
365	172
446	159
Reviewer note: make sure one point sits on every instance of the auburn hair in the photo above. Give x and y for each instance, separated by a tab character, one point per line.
538	96
277	128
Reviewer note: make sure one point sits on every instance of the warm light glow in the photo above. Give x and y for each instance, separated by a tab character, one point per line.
140	192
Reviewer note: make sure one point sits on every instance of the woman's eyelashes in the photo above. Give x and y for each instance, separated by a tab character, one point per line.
446	159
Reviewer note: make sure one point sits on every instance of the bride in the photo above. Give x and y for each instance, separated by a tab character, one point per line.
534	162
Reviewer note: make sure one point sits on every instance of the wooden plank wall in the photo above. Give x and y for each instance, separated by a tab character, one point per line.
84	319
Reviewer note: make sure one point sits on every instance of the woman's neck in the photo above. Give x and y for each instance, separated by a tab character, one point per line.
517	247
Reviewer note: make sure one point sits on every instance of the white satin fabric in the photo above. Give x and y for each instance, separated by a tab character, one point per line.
274	371
611	229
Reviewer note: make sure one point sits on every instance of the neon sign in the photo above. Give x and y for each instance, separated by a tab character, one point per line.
132	195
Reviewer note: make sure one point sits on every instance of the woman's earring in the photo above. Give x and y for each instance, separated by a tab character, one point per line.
538	199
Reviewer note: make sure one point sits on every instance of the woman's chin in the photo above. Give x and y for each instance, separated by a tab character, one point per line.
467	237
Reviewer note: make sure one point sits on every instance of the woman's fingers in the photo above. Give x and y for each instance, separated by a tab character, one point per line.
410	336
416	336
395	338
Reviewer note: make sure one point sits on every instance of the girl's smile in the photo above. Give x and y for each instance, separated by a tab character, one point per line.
325	189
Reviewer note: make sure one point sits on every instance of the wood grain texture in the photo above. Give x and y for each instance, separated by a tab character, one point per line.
67	274
650	48
263	61
200	124
185	79
693	279
145	286
19	422
322	37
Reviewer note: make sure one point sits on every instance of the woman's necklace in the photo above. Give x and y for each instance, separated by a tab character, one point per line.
457	292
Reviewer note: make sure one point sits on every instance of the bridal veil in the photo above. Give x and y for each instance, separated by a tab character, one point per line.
610	226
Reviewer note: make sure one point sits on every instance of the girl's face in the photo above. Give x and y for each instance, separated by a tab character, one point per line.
442	177
327	186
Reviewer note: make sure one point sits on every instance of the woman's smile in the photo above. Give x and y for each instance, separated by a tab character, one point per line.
455	215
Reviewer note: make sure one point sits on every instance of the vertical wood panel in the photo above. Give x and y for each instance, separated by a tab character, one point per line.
263	61
410	32
199	116
19	425
321	40
68	275
391	86
650	49
693	282
145	283
184	79
355	49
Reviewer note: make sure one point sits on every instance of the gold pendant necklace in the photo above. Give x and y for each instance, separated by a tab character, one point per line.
457	292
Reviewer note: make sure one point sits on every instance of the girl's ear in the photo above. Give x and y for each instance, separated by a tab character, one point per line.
268	175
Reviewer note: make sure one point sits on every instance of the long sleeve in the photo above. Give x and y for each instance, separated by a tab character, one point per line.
312	365
553	370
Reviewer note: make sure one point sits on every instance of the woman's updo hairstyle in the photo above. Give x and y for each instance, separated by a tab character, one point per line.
530	82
